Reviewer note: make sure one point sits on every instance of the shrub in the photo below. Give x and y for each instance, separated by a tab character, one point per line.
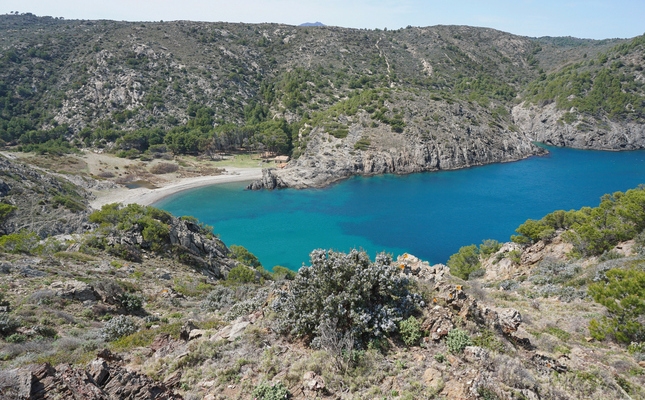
45	331
623	293
489	246
280	272
241	274
69	203
164	168
241	254
246	307
126	252
20	242
639	243
8	324
362	144
270	391
130	302
16	338
218	298
118	327
410	331
366	299
457	340
464	262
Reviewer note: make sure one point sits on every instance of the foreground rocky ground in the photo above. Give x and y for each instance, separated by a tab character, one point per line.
199	338
138	304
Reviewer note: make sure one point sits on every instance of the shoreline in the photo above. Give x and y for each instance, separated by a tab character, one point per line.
146	197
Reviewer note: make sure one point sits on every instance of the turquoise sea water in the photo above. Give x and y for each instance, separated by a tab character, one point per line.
429	215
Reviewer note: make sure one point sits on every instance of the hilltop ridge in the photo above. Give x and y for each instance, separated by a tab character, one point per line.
413	99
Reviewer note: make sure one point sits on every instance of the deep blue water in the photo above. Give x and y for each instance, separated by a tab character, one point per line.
429	215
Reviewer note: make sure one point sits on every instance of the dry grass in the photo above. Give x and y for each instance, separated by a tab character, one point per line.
164	168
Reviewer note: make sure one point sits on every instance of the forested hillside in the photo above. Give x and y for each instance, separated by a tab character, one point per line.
213	86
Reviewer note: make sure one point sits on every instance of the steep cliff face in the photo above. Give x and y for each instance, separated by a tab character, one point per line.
547	125
437	136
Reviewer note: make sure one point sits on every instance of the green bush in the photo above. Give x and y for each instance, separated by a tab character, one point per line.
457	340
241	274
362	144
410	331
241	254
20	242
592	231
270	391
8	324
16	338
623	293
130	302
464	262
489	246
69	203
367	299
280	272
45	331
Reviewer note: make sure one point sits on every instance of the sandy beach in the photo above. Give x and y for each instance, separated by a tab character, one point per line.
145	196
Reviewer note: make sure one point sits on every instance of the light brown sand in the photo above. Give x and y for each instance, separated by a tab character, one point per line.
146	196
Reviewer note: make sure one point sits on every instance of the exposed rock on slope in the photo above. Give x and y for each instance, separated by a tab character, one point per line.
46	204
443	138
189	242
544	124
100	380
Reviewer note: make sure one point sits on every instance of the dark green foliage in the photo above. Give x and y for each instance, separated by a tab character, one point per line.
593	231
241	254
489	246
8	324
130	302
241	274
465	261
362	144
365	299
410	331
20	242
270	391
622	291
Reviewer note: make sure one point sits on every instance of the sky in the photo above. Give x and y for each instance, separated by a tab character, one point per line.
594	19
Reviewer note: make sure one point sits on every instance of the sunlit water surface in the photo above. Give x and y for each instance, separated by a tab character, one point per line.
429	215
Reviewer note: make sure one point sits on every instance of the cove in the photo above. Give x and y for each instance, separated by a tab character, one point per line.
428	214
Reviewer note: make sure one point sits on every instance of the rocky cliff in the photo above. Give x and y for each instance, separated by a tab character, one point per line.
546	125
437	136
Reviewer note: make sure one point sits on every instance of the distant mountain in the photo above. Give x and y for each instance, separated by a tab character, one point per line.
312	24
